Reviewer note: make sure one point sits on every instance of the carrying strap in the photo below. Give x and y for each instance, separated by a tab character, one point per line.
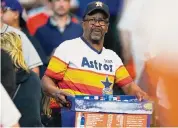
16	91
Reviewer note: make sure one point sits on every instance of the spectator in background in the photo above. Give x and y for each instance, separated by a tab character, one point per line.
27	96
36	13
39	11
31	56
9	114
8	73
34	7
60	26
8	80
15	19
7	92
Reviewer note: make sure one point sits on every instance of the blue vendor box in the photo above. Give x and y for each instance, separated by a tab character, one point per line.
110	111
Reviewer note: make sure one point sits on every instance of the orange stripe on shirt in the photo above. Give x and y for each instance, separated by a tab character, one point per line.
124	81
56	68
57	76
83	88
122	76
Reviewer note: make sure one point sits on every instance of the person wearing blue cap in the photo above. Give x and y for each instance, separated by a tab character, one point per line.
12	9
11	12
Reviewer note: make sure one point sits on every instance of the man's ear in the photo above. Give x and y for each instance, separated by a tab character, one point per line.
107	27
83	24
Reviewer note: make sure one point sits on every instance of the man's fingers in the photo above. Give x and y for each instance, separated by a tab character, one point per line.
142	96
62	98
139	96
60	105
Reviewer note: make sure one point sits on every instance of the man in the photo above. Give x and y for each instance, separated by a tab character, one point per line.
37	16
59	27
31	56
83	66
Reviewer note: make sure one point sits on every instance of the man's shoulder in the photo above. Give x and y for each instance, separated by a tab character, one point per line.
45	25
76	25
72	42
109	52
45	28
75	21
19	32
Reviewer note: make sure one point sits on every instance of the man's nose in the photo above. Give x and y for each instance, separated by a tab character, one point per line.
97	23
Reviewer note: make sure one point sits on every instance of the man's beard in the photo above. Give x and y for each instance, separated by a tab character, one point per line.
60	15
96	40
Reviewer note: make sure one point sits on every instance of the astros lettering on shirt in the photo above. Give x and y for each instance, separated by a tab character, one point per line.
82	70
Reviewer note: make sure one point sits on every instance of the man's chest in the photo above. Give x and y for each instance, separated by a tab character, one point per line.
93	62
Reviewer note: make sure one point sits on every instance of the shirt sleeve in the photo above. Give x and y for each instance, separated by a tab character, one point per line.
31	56
122	76
58	63
9	114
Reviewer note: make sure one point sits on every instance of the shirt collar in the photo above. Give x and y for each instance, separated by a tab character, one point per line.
88	44
4	28
54	23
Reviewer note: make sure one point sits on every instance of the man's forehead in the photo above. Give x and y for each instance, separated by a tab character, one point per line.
100	14
58	0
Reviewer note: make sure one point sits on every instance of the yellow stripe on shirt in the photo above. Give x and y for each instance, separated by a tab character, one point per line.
87	77
56	65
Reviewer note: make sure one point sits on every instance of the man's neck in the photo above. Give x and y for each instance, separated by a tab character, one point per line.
16	26
61	20
98	46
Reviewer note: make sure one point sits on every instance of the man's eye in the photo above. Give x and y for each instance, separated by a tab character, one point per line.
92	20
101	20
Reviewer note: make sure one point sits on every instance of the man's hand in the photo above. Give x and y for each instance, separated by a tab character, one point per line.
60	97
141	95
133	89
50	88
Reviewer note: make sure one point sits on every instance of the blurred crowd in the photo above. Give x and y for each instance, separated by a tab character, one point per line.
143	33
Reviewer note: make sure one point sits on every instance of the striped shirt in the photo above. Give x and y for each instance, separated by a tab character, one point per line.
81	70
